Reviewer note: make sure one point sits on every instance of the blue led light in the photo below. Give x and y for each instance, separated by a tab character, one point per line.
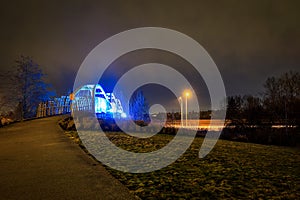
100	105
104	103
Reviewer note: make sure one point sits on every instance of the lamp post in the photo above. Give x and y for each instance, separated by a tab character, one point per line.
181	114
187	94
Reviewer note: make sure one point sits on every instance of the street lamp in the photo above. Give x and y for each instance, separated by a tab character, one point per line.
181	114
187	94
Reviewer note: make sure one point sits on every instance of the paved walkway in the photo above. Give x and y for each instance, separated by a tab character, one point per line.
37	161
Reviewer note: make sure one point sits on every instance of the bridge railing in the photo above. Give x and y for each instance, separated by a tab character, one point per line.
58	106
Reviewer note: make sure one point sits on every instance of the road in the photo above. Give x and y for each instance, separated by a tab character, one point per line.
37	161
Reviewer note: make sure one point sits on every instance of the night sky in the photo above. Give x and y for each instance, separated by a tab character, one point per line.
248	40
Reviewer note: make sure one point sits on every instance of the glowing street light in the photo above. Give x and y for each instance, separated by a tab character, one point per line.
187	94
181	111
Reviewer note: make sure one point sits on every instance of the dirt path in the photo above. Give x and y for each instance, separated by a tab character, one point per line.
37	161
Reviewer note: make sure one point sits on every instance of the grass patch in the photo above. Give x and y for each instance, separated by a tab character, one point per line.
232	170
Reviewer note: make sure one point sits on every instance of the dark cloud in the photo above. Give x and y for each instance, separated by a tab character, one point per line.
248	40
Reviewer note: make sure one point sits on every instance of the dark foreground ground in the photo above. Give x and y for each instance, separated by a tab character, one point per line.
232	170
37	161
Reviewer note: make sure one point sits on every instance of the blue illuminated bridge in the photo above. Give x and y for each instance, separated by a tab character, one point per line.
92	98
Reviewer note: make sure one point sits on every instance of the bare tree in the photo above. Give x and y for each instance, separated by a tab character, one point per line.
235	110
25	87
138	107
281	97
252	110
